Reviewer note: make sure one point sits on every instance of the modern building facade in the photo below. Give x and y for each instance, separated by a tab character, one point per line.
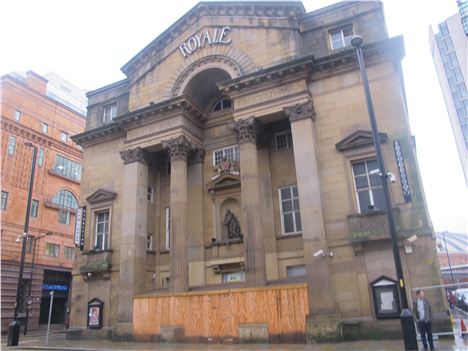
230	189
449	48
30	115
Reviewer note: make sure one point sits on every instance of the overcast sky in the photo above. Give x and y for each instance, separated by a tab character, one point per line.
88	41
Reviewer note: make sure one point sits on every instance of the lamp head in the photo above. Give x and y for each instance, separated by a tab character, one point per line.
356	41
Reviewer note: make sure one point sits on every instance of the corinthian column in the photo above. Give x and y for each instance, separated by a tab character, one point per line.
255	271
322	301
178	150
133	235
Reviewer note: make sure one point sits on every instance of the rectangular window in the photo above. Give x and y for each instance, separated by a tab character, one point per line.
149	242
110	111
234	277
168	228
341	37
40	157
368	184
52	250
67	168
64	137
283	141
69	252
11	145
4	200
30	244
101	237
34	208
64	217
150	194
230	153
45	128
296	271
290	210
17	115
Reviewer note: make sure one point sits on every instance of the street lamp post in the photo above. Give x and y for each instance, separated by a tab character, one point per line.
448	258
36	239
14	328
406	317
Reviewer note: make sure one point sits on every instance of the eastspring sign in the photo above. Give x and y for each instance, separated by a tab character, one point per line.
217	36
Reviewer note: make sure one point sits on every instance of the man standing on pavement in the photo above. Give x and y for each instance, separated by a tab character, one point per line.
423	314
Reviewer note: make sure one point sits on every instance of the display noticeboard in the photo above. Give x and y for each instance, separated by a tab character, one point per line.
95	312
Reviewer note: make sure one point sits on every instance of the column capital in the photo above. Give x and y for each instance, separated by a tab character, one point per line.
197	156
300	111
178	148
134	155
246	130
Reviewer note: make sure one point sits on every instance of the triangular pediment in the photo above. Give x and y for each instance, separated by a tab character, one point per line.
357	139
224	181
101	195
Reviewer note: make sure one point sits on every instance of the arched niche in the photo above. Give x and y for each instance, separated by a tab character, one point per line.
229	204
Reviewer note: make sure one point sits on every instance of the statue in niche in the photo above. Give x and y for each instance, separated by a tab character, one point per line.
232	228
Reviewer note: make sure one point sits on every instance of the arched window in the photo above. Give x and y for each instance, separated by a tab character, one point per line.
222	104
65	199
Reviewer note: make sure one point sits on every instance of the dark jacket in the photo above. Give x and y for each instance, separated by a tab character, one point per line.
427	311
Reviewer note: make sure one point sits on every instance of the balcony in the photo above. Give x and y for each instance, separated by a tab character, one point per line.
97	264
370	226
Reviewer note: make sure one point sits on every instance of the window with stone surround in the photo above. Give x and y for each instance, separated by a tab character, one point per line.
17	115
341	37
52	250
290	210
64	136
149	242
233	277
283	140
69	252
168	228
368	186
110	111
11	145
40	157
67	168
101	231
45	128
4	200
230	152
222	104
34	208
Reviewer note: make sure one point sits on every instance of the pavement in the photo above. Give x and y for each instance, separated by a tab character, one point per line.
57	341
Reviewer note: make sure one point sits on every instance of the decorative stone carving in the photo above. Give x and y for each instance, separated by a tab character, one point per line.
197	156
226	166
300	111
178	148
232	228
246	130
134	155
101	195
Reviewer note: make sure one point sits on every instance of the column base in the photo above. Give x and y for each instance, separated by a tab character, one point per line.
322	328
123	332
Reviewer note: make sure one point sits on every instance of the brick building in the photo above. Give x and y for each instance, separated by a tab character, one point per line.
30	114
234	170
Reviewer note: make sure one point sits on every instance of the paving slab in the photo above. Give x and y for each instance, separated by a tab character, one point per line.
58	342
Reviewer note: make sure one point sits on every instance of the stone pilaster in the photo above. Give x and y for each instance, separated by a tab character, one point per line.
255	270
196	248
322	301
133	236
179	149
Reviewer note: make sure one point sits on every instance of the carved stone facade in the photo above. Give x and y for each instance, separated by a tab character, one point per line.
235	166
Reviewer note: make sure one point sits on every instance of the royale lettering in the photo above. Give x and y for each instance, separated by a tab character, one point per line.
198	41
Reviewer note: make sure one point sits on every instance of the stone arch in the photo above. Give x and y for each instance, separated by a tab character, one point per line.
231	60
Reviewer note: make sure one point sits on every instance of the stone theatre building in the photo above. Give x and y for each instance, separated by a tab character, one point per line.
229	184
